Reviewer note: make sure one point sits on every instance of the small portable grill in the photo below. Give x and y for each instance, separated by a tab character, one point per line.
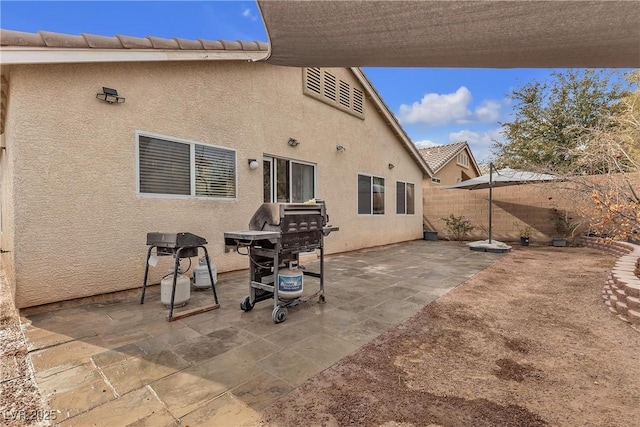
179	245
278	233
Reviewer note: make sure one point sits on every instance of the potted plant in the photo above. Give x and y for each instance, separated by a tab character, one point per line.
565	227
525	235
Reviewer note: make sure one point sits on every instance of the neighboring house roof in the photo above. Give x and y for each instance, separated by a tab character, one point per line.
439	156
46	47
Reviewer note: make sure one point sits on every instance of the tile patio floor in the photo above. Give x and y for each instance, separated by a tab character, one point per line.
122	363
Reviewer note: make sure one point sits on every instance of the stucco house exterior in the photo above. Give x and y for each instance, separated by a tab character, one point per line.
84	180
450	163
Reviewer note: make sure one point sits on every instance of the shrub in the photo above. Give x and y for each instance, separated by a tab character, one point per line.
457	226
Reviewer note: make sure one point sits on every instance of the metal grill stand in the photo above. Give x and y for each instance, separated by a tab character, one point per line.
180	245
279	233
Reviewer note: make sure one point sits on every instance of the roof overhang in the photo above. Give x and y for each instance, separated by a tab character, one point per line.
46	55
450	33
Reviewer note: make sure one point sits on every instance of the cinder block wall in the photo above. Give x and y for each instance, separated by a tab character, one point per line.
513	206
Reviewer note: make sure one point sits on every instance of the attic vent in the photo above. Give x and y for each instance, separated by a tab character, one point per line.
357	101
313	80
330	86
344	94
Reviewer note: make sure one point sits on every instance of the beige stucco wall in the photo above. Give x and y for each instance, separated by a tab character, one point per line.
80	228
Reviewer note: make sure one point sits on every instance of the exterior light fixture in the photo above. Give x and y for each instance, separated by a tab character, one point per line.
391	166
293	142
340	148
110	96
253	164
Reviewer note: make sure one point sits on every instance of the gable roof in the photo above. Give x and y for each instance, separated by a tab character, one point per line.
46	47
439	156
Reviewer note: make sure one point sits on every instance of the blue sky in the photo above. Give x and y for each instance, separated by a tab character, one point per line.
434	105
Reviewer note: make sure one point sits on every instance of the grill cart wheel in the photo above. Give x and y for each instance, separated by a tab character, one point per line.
279	314
245	304
321	299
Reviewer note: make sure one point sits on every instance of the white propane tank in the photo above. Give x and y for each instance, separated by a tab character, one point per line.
183	289
201	279
290	282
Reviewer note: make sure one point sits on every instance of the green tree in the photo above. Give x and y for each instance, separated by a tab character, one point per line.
552	118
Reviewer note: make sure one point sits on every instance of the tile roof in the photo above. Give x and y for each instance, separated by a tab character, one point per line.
438	156
84	41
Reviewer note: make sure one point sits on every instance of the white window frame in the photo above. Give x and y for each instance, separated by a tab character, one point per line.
405	183
192	168
384	196
273	160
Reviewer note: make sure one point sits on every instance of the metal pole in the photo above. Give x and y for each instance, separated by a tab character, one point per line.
490	197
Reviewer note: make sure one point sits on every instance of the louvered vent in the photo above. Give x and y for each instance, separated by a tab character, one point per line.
313	80
357	101
344	94
330	86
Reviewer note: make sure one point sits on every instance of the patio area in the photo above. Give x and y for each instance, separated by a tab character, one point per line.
122	363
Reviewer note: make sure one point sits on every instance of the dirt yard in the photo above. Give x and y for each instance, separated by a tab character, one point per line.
526	342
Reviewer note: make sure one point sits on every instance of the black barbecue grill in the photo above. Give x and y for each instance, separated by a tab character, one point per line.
278	233
178	245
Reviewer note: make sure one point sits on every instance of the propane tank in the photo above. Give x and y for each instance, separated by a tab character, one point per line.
290	282
183	289
201	279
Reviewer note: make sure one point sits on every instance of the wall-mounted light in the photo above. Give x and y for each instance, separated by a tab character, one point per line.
340	148
293	142
253	164
391	166
110	95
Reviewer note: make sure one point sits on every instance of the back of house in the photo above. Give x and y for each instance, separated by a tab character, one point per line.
84	180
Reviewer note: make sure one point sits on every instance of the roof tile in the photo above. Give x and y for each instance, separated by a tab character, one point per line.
51	39
436	157
162	43
231	45
19	38
187	44
129	42
211	45
62	40
102	42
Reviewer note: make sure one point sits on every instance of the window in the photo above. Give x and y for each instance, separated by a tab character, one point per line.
405	198
288	181
463	159
182	168
370	195
330	89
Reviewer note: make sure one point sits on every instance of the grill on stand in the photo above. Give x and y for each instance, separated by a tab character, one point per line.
179	245
278	233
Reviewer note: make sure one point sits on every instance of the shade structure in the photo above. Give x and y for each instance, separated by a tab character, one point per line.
453	33
499	178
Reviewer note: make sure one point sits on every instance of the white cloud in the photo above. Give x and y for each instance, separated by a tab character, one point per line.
425	143
248	13
480	142
452	108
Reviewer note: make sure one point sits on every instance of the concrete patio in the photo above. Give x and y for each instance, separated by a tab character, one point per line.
122	363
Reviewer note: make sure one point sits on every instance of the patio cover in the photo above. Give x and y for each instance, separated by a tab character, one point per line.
452	33
499	178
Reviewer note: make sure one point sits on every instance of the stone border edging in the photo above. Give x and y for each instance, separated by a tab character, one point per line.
621	292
